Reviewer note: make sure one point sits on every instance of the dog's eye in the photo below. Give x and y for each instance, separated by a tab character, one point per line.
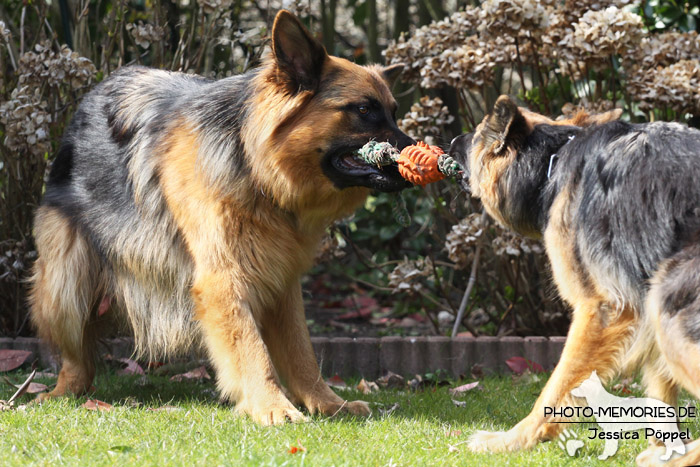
363	109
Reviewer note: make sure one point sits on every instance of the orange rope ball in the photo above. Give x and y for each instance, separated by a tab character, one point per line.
419	163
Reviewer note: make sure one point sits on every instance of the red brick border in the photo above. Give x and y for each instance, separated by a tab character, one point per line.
372	357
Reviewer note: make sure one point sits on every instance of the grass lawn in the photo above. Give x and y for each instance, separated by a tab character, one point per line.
425	429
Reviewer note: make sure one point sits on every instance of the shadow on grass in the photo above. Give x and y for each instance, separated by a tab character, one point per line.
497	403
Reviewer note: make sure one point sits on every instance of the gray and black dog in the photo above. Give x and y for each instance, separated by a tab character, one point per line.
618	207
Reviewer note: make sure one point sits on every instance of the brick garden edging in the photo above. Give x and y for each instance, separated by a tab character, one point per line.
372	357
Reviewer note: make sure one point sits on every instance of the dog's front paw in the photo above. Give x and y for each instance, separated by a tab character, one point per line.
359	408
524	435
651	456
273	414
491	441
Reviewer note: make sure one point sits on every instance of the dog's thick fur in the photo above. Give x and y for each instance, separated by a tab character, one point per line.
620	218
194	207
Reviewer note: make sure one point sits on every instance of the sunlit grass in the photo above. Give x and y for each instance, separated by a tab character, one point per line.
425	429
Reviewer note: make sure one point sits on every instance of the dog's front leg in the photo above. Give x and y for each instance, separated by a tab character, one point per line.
287	337
593	343
245	373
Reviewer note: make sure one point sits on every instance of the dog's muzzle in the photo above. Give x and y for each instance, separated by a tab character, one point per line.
459	151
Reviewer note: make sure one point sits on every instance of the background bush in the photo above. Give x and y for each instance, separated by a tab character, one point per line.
555	56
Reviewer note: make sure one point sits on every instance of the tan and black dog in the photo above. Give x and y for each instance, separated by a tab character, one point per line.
194	207
618	207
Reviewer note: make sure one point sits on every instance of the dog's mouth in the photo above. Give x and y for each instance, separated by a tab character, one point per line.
345	168
351	163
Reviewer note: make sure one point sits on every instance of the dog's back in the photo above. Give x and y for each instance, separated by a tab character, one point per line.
635	200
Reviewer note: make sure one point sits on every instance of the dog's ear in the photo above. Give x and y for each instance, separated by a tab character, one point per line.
505	126
299	57
392	73
594	376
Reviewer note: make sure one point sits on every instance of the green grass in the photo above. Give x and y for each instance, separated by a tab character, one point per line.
203	432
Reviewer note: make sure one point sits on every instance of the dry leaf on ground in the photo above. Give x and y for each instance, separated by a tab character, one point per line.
519	365
336	382
12	359
367	387
459	390
392	380
94	404
198	374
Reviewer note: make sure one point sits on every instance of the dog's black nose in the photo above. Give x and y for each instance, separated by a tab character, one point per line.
403	141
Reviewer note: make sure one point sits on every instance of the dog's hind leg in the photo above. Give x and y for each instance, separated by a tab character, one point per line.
65	291
673	305
596	339
592	344
287	338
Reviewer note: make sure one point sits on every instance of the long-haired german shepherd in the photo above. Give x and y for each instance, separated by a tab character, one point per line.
618	206
195	206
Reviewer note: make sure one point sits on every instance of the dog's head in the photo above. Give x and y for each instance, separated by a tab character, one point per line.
321	109
506	135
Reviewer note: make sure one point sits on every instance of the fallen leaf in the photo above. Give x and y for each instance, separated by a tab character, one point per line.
464	388
35	388
337	382
12	359
459	403
519	364
392	381
477	371
130	368
198	373
452	448
454	433
125	366
94	404
45	374
626	386
416	383
295	449
367	387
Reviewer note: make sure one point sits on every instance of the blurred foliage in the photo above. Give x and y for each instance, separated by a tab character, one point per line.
557	56
661	15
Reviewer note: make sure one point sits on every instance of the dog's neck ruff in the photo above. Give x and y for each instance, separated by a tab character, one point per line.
554	156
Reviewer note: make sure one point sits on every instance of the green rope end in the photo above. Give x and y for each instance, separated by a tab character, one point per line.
448	165
376	153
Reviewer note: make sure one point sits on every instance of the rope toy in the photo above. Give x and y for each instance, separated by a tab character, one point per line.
420	164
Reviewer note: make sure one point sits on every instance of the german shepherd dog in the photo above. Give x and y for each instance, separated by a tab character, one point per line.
618	207
194	207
